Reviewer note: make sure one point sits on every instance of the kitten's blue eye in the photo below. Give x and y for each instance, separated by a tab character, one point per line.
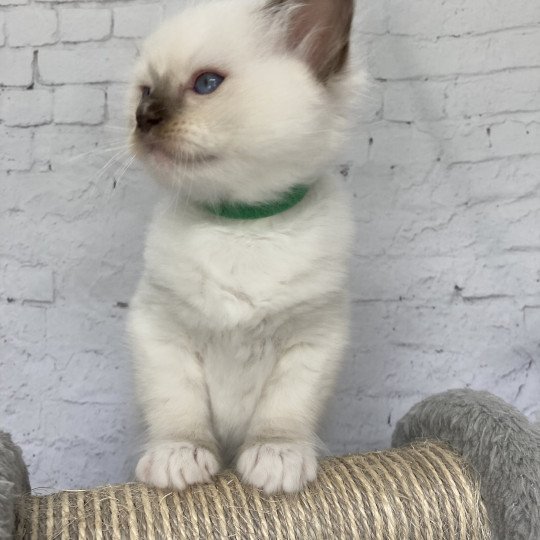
145	91
207	83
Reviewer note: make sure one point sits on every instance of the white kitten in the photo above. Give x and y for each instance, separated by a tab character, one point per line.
240	319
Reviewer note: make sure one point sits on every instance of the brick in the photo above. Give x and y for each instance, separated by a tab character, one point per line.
531	315
370	105
497	234
86	64
79	105
31	26
84	24
117	104
398	143
69	424
438	17
414	100
82	328
135	21
54	199
522	234
401	57
424	237
28	283
496	93
417	321
472	141
16	67
487	182
374	16
515	137
25	391
16	152
504	180
469	142
13	2
496	275
26	107
59	144
2	30
88	367
430	279
22	324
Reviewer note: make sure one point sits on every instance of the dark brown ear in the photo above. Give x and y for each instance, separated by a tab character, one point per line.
321	30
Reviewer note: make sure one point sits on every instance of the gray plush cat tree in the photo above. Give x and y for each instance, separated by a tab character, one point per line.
465	466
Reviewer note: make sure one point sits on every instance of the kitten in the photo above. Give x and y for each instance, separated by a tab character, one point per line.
240	319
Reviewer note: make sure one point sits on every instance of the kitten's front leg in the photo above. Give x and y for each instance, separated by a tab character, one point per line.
279	454
172	391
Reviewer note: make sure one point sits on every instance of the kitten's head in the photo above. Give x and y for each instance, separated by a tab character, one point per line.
240	100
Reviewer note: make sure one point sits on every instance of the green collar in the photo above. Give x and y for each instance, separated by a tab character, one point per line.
241	211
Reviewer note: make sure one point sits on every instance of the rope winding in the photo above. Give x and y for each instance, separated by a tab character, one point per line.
421	492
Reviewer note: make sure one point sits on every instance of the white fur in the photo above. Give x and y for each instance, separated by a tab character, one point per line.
238	327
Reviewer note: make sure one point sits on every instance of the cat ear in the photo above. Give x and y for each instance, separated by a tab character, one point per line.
320	30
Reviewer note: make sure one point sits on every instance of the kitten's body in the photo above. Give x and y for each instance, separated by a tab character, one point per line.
238	326
235	298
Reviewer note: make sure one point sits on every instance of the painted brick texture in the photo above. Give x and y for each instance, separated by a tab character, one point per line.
443	170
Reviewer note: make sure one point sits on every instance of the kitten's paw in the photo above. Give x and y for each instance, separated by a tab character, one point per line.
278	466
176	466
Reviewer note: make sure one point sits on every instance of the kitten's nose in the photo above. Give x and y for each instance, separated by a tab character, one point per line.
149	114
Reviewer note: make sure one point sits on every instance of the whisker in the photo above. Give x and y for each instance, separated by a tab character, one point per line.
112	161
99	152
118	156
124	169
190	188
95	178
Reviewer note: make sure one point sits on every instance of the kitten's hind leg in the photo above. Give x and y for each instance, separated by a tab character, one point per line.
172	391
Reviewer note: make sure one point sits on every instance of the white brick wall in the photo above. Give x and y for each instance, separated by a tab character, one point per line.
443	172
31	26
2	32
77	24
26	107
79	105
16	67
135	21
86	64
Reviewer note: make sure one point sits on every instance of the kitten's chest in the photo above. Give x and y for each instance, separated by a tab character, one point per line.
224	274
235	279
237	366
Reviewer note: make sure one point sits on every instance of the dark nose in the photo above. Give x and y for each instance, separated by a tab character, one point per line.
149	113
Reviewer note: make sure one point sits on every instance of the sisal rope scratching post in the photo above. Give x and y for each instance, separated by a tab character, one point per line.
421	492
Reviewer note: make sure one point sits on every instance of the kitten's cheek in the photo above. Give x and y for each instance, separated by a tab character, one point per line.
161	158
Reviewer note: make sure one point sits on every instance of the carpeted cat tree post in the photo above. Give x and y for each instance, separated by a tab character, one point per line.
466	466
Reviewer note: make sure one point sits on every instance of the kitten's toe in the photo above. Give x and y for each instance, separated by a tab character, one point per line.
278	466
176	466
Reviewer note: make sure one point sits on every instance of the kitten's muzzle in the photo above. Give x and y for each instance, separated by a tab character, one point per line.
150	113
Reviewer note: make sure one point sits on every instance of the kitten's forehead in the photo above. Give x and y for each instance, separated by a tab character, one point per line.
211	35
